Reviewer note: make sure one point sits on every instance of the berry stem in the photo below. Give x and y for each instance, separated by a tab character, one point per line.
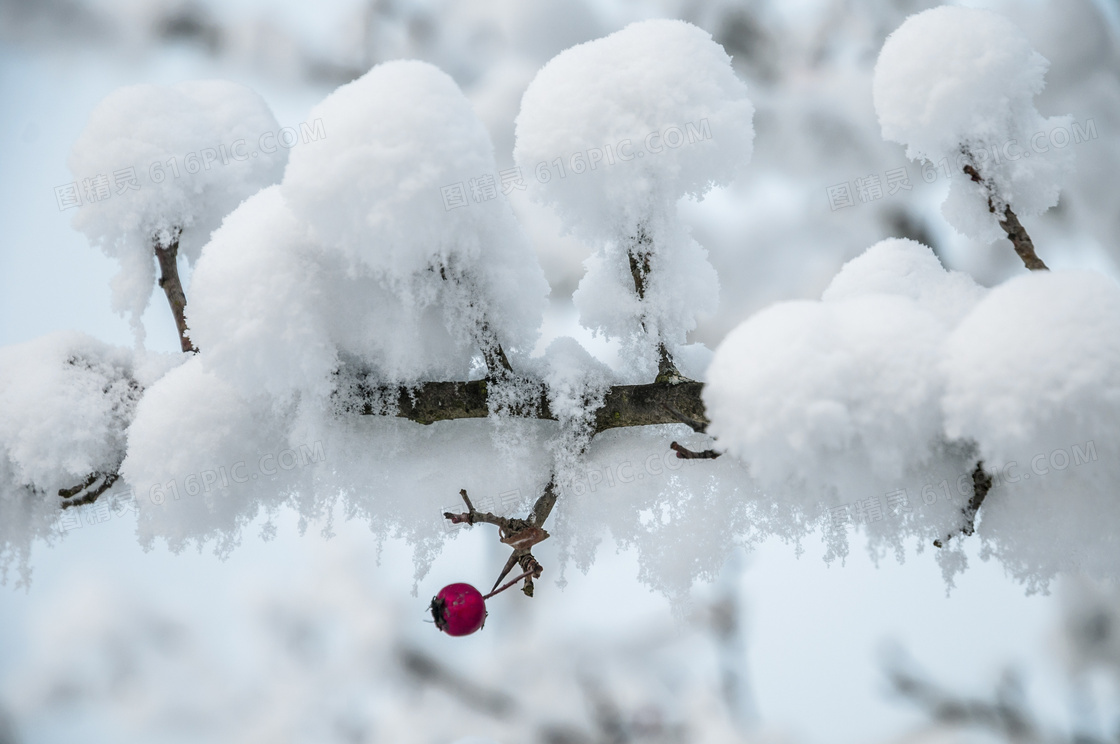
508	585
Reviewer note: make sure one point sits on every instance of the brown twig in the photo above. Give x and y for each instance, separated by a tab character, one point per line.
172	287
91	494
520	534
981	484
472	515
687	454
507	585
696	425
1016	233
653	404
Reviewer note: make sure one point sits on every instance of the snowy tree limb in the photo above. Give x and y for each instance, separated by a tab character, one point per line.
492	352
89	490
470	692
1016	233
639	254
167	256
981	484
684	453
624	406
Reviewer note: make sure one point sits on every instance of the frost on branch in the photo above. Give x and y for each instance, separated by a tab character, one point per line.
830	403
959	83
831	392
577	384
168	159
908	377
1033	376
612	133
66	399
347	286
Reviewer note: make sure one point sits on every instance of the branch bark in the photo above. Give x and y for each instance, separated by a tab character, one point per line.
1016	233
88	491
172	287
981	484
624	406
519	534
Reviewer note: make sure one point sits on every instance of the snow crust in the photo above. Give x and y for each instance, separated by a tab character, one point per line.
807	390
904	267
803	389
906	374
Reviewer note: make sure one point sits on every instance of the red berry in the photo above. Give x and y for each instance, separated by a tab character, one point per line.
459	609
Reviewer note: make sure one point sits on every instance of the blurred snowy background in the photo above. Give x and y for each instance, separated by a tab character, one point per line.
317	633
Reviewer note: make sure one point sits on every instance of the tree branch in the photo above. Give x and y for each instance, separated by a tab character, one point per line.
981	484
87	492
519	534
492	352
684	453
1016	233
172	287
624	405
639	253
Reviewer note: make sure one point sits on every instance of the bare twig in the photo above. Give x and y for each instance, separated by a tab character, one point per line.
508	584
687	454
696	425
472	515
172	287
520	534
86	492
981	484
1016	233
